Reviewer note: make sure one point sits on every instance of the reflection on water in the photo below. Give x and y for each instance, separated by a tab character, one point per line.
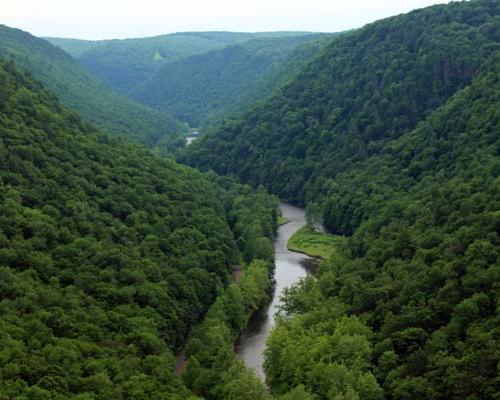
290	268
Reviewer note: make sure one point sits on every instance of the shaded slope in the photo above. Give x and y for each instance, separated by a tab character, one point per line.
108	255
82	92
125	64
394	131
414	298
203	87
367	87
74	47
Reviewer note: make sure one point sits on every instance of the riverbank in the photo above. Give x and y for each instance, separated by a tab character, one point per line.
243	307
213	366
314	243
290	268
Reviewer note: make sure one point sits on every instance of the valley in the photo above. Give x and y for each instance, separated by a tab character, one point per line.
330	230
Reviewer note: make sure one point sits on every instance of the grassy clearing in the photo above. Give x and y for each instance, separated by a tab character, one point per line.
282	220
313	243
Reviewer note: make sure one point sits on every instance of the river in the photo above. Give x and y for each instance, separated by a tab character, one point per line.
290	268
191	136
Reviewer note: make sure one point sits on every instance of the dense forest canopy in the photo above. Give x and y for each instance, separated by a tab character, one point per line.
108	255
393	130
80	91
366	87
201	87
113	260
416	292
125	64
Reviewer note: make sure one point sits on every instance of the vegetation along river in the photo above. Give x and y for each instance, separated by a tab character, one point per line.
290	268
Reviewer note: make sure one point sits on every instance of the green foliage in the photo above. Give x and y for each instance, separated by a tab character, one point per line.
125	64
81	92
214	371
393	130
253	218
108	255
422	271
74	47
202	87
325	352
242	384
365	88
299	393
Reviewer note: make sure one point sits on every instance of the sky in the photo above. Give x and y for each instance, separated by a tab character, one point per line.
107	19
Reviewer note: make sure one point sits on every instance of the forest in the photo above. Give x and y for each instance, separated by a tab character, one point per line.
349	101
82	92
109	255
412	302
126	64
200	88
131	263
198	77
393	133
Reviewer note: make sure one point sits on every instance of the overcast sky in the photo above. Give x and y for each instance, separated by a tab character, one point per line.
105	19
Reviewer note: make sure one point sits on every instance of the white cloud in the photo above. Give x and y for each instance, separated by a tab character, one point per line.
97	19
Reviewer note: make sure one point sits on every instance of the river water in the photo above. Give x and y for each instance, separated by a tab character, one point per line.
290	268
191	136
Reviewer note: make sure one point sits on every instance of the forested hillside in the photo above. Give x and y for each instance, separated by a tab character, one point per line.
74	47
108	255
365	88
202	87
125	64
394	132
82	92
413	301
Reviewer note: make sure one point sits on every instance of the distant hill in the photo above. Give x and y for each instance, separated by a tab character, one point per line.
202	87
74	47
79	90
125	64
